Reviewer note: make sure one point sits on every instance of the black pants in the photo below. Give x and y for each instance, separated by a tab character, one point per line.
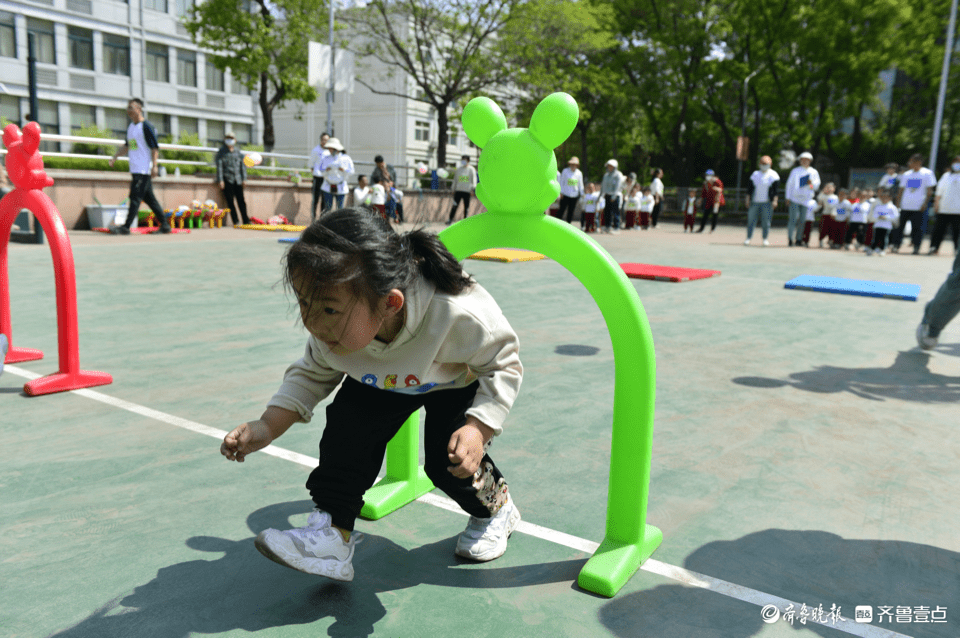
141	190
915	217
855	229
317	183
459	196
611	211
655	215
567	207
362	420
880	238
398	212
234	192
940	229
707	212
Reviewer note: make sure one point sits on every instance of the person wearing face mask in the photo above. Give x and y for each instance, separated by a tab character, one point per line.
317	157
946	204
337	167
711	198
231	174
802	184
764	200
464	182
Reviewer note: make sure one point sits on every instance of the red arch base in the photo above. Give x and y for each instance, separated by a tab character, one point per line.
70	376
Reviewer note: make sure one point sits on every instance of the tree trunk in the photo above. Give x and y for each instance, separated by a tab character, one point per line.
266	110
442	137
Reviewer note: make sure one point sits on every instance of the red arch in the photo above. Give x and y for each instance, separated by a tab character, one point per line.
70	376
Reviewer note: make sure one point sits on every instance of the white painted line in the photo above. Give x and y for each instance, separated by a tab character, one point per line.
651	565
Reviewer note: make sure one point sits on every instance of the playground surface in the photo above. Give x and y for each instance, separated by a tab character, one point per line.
804	451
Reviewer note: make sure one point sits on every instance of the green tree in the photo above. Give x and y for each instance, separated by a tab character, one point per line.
268	46
441	49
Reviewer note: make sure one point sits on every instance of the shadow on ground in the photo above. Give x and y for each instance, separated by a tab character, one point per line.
808	567
908	379
243	590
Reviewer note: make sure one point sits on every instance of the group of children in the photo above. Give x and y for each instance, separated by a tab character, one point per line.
854	218
637	209
377	195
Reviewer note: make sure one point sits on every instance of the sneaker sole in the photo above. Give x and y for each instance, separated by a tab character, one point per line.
498	551
273	547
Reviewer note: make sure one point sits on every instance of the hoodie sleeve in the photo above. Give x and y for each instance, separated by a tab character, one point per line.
306	383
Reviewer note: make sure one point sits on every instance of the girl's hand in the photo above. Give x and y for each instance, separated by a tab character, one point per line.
246	439
465	449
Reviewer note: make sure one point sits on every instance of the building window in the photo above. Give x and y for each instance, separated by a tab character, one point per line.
43	40
163	123
215	132
156	5
421	131
237	85
186	67
81	115
243	133
214	77
8	35
189	125
183	8
81	48
10	107
158	68
453	136
117	122
49	120
116	54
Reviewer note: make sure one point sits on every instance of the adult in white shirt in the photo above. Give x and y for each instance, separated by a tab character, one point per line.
802	184
317	155
571	189
916	189
336	168
656	189
361	194
946	205
765	181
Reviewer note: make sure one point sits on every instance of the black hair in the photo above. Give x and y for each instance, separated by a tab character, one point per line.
359	177
378	159
917	157
136	100
376	179
359	248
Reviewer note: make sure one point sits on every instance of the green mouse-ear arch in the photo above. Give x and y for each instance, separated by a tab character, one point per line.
554	119
482	119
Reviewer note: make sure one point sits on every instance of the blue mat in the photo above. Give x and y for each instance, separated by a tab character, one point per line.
287	240
862	287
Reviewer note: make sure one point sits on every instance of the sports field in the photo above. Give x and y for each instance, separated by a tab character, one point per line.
805	451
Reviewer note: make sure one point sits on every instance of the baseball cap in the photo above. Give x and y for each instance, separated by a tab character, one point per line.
709	172
805	155
613	163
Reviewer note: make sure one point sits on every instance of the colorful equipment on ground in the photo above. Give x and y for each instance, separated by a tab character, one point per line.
25	167
506	255
666	273
860	287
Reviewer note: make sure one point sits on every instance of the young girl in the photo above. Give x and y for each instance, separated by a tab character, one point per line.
885	215
690	210
811	211
398	321
378	195
841	215
592	204
647	202
631	205
828	203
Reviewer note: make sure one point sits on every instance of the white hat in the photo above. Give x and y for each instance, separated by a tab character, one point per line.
335	144
613	163
806	155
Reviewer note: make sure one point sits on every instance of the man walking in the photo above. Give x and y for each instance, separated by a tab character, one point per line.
142	151
916	189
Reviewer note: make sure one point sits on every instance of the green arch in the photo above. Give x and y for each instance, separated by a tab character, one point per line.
628	540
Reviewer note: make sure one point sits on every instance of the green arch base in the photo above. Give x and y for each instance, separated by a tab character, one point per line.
628	540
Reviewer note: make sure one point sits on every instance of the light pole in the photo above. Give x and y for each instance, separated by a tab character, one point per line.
944	74
743	135
332	78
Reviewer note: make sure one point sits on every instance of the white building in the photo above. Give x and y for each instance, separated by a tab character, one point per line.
93	56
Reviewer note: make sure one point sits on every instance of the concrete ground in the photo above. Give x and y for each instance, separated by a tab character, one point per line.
804	451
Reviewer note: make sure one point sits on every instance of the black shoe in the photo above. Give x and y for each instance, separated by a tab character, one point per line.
165	228
916	250
789	242
120	230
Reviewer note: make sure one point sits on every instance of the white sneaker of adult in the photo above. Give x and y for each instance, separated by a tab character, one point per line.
766	242
746	242
486	538
317	548
924	340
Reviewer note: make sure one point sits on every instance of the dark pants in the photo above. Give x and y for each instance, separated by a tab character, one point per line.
362	420
940	230
398	212
855	229
708	212
234	192
460	196
567	207
141	190
655	215
317	197
880	238
611	211
328	201
915	217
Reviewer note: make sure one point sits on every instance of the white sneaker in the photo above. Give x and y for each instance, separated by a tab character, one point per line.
924	340
486	538
766	242
317	548
882	253
746	242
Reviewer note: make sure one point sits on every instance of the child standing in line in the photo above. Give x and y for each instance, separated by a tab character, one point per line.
647	202
841	215
891	177
592	204
361	194
631	206
885	215
870	196
828	202
858	222
396	319
396	196
811	211
690	210
378	195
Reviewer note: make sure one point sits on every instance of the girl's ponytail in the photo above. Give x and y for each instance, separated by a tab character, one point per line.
435	262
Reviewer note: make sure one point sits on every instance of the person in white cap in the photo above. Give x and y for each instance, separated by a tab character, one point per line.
336	168
610	194
802	185
571	189
765	181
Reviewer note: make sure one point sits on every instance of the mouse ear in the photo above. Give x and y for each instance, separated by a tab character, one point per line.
482	119
11	134
31	138
554	119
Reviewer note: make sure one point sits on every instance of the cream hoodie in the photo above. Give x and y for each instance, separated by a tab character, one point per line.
448	341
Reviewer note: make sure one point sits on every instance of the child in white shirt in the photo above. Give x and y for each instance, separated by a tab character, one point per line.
631	206
361	194
812	207
378	196
841	215
690	210
828	201
647	202
858	221
396	195
885	215
592	204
